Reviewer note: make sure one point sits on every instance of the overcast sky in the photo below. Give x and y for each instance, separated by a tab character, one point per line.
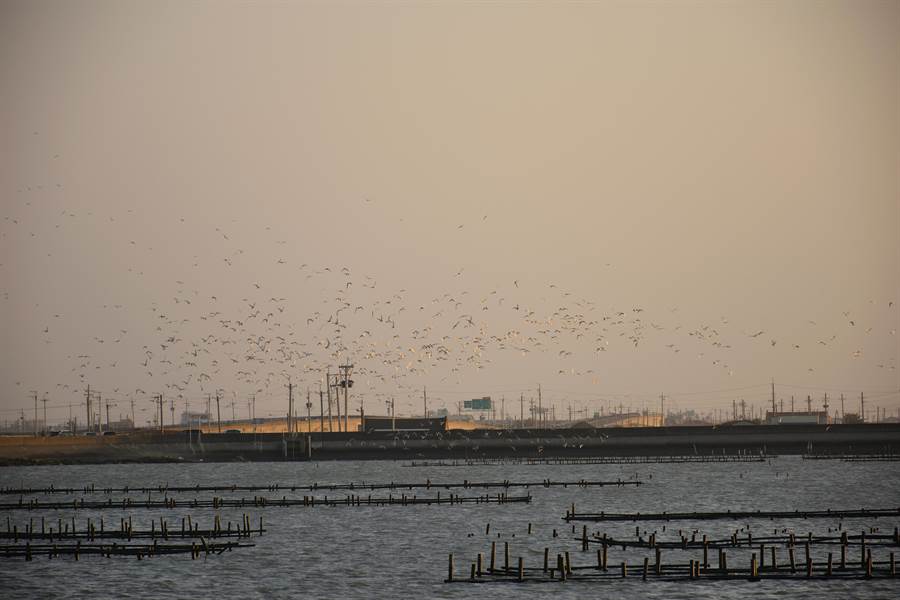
613	200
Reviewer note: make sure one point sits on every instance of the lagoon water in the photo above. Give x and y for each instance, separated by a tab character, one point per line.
401	551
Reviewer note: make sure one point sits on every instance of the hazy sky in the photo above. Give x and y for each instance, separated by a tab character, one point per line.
610	199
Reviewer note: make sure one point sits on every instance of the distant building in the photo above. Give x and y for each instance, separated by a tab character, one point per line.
372	424
816	417
120	425
619	420
194	418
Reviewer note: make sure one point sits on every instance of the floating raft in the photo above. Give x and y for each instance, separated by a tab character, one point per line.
873	513
94	530
854	457
28	550
691	571
747	541
598	460
261	501
481	572
506	484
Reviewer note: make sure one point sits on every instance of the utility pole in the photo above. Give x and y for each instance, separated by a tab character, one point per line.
330	400
662	411
44	400
862	408
87	396
161	425
808	404
99	412
337	401
773	396
321	410
308	413
107	415
218	412
842	408
172	410
734	410
290	413
346	383
743	409
826	408
522	410
424	402
35	413
540	406
328	391
393	418
133	423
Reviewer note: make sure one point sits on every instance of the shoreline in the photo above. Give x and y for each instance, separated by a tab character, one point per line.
191	447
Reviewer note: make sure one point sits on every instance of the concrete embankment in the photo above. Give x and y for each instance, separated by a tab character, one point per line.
453	444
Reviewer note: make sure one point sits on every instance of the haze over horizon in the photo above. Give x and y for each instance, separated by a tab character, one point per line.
614	200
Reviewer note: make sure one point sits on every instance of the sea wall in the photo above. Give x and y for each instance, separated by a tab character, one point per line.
522	443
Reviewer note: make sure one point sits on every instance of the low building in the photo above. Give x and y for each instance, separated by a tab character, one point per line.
194	419
816	417
372	424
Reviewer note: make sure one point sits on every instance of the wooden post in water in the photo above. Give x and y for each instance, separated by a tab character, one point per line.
862	549
843	549
449	569
546	559
479	562
658	566
506	557
521	569
869	564
646	563
828	570
493	557
754	574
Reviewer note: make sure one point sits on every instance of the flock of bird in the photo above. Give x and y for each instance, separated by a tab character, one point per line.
257	337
